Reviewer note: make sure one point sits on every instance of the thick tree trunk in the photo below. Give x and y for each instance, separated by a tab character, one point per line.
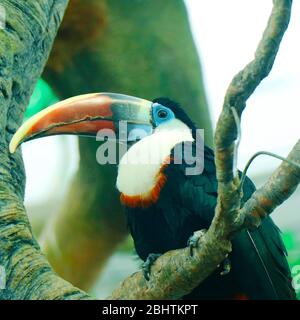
25	45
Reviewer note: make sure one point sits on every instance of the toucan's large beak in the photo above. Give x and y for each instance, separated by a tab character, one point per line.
86	115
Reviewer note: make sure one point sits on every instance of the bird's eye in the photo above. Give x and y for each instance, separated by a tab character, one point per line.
162	114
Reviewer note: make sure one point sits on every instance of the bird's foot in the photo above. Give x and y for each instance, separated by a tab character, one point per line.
146	266
226	264
193	241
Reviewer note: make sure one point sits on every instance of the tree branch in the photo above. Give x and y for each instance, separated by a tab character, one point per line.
279	187
176	273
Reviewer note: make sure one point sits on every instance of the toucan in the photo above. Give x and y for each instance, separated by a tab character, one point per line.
164	205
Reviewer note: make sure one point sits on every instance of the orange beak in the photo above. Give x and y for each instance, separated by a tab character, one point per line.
85	115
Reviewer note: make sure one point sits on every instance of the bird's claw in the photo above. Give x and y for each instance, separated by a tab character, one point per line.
146	266
226	267
193	241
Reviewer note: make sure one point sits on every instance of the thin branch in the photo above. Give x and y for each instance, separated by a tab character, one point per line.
238	140
266	153
275	191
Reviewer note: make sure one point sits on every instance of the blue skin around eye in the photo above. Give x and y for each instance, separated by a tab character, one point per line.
156	107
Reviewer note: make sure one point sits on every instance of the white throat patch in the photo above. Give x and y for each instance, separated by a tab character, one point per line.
141	164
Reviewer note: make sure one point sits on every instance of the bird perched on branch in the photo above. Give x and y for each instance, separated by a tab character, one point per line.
167	182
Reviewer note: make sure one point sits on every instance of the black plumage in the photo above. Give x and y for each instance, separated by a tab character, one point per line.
186	204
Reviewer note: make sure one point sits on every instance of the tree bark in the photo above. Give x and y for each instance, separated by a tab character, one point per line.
25	45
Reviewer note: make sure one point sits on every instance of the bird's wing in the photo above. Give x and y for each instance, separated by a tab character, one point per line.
259	256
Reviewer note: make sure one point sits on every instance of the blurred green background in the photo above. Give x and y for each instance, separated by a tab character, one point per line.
42	97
